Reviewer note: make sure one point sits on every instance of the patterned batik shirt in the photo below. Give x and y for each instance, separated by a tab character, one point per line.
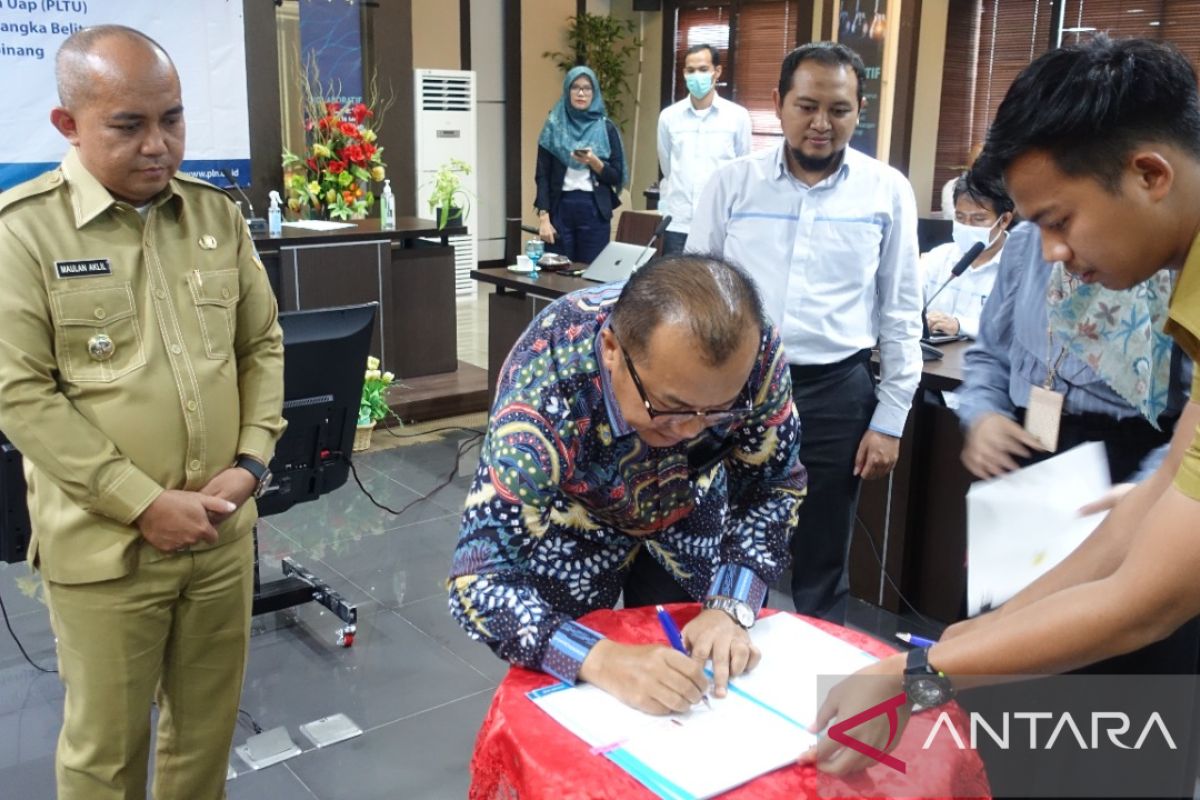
566	494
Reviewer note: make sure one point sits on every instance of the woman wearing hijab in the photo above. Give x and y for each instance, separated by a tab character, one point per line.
580	170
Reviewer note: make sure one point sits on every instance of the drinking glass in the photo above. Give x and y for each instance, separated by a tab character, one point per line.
534	250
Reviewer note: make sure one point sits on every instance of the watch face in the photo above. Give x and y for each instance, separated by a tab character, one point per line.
743	615
927	692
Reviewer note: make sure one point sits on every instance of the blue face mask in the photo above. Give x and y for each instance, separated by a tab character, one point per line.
699	83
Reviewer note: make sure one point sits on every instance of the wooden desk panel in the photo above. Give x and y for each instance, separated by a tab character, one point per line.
918	530
416	331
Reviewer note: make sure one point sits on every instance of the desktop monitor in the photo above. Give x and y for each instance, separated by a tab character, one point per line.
324	358
14	514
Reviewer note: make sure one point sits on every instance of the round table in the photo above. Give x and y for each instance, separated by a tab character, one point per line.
522	753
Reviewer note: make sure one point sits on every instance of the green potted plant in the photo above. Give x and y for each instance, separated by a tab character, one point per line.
373	405
449	200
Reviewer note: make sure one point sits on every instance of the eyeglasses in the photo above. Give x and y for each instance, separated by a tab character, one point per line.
738	411
582	89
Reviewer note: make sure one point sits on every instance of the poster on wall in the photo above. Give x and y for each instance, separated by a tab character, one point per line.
862	27
203	37
331	33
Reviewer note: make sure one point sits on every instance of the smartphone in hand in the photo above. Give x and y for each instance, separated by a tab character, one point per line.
583	152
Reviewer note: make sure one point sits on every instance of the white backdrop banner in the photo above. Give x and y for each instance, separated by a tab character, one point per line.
203	37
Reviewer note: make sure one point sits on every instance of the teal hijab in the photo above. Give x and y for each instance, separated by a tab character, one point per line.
568	128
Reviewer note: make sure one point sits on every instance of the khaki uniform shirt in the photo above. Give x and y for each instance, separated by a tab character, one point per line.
135	356
1183	323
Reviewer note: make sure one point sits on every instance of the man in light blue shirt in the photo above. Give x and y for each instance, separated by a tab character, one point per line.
830	236
695	136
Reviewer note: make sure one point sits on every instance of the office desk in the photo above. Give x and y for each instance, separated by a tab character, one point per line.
517	300
409	271
521	752
918	529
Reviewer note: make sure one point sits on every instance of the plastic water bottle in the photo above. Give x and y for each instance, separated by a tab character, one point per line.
387	207
274	217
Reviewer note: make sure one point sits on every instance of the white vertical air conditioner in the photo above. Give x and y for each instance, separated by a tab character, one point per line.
445	129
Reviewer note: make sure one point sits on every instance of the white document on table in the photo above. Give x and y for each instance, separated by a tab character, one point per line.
759	726
318	225
1022	524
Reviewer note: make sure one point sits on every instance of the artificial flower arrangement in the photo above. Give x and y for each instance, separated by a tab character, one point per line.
373	406
334	177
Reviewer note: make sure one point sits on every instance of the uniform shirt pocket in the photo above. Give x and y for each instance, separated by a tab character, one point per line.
97	334
216	293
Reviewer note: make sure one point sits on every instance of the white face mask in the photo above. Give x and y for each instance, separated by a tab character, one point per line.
967	235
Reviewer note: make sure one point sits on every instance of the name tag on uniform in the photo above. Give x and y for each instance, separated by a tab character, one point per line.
83	268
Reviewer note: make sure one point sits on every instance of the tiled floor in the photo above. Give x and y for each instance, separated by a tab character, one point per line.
413	681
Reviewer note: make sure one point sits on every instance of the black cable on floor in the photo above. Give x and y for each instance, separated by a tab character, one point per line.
462	448
20	646
883	570
391	431
254	726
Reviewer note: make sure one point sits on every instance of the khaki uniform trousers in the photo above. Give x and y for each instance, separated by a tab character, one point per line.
174	631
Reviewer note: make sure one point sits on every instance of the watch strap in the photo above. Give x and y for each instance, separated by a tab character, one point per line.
251	465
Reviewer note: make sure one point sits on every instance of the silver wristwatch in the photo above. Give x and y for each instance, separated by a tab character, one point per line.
741	612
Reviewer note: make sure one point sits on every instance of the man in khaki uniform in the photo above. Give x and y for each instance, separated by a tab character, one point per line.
142	366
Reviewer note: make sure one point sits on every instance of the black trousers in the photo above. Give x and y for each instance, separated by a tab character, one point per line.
835	403
649	584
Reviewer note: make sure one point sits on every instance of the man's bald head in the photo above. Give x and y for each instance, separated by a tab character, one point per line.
122	110
98	52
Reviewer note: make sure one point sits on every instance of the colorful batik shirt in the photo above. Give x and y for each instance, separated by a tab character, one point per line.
566	494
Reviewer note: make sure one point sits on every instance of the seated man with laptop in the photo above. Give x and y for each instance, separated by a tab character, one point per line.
956	287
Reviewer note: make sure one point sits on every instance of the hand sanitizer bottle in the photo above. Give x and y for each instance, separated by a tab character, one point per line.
274	216
387	207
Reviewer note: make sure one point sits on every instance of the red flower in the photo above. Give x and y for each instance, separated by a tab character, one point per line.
311	163
337	166
332	107
355	154
350	130
323	123
368	149
360	112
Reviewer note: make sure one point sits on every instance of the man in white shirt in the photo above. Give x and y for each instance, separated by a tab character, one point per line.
695	136
982	215
830	235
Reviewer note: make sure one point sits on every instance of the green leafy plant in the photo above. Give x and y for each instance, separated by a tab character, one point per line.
448	192
373	406
606	45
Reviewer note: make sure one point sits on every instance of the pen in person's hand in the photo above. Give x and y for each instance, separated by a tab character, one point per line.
914	640
676	639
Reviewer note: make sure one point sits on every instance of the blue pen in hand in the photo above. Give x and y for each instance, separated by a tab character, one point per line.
676	639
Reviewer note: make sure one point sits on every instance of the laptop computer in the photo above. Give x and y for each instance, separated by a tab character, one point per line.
617	261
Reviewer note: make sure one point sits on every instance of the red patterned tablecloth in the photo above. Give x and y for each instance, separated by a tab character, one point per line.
522	753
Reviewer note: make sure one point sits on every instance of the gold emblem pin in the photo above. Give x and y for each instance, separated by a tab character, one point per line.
101	348
208	242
